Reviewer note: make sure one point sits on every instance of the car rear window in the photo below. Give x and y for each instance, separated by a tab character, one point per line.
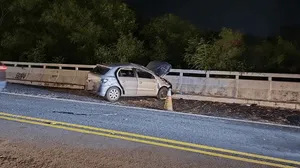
101	70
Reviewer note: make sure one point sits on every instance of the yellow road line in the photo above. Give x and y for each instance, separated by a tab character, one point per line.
148	142
156	139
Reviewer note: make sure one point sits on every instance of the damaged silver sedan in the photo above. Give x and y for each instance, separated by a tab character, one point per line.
130	80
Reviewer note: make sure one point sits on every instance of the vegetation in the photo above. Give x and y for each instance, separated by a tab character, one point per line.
106	31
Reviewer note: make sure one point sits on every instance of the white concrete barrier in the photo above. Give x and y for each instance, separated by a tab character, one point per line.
223	84
253	86
50	75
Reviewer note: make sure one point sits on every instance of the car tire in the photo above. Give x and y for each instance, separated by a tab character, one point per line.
113	94
162	93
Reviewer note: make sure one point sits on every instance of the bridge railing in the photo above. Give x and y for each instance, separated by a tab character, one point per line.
241	85
245	85
46	74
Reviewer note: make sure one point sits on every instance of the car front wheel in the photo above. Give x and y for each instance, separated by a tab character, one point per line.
162	93
113	94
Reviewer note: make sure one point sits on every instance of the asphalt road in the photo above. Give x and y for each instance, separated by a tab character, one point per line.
268	140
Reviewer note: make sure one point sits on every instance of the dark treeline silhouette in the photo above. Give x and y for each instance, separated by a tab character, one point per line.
107	31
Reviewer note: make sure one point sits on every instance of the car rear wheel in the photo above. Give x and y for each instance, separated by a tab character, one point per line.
113	94
162	93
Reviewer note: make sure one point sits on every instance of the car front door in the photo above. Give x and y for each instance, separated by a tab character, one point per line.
147	84
128	81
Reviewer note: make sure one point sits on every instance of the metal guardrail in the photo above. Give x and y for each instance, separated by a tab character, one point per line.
182	72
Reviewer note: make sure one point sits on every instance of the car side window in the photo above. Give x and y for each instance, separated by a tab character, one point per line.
145	75
126	73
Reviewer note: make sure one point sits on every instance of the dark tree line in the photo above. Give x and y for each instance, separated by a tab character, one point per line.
107	31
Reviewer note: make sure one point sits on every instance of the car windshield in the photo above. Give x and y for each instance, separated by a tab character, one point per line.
101	70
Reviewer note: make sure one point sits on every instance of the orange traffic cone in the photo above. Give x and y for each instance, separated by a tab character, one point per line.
168	102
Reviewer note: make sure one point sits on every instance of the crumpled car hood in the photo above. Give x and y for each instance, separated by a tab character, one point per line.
160	68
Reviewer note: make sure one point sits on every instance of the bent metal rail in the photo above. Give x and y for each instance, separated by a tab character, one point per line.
254	86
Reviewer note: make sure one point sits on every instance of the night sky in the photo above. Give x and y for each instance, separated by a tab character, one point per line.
257	17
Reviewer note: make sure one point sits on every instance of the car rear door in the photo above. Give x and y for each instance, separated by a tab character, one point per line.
128	80
147	84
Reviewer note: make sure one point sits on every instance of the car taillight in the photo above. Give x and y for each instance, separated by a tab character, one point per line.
104	80
3	68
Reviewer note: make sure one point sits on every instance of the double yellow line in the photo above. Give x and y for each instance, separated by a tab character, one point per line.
184	146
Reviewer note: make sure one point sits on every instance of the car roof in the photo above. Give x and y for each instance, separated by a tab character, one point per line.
119	65
154	67
116	66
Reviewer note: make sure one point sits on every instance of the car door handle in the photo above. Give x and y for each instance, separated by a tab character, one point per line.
141	82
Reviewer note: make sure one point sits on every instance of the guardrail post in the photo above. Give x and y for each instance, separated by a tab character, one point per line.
270	88
236	88
180	81
207	74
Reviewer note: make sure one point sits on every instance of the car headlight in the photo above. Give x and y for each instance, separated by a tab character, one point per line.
104	80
